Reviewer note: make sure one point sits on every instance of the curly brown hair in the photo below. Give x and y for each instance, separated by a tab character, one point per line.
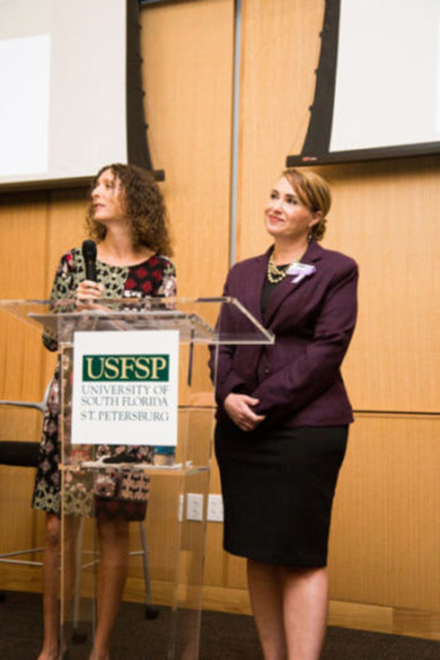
144	209
314	193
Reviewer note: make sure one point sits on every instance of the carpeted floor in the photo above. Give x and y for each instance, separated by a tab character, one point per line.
223	637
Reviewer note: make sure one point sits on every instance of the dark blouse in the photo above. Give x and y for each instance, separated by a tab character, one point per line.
268	287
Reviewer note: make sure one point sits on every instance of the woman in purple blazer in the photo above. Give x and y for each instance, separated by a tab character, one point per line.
283	416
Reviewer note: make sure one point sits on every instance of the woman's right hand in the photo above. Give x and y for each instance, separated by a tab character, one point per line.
88	292
239	409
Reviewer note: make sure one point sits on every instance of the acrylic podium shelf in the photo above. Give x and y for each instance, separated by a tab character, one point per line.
176	542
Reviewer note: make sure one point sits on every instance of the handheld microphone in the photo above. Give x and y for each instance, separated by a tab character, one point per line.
89	255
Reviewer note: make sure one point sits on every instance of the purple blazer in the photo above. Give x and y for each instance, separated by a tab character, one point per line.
297	379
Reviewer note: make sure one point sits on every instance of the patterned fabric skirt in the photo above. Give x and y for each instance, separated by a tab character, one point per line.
106	493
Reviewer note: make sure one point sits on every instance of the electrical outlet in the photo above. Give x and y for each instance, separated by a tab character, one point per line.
215	508
194	506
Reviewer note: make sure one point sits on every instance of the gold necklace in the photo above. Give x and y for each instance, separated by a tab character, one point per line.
276	273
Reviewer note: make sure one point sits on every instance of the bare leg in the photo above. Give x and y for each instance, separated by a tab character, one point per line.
51	587
290	608
112	573
305	611
51	580
267	605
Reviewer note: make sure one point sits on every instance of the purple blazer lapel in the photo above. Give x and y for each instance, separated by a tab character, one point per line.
287	287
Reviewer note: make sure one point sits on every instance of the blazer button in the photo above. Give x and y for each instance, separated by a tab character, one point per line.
266	371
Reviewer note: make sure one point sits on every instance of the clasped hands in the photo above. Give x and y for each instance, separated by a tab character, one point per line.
239	408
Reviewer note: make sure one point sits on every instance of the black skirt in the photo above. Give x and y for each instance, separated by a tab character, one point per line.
278	487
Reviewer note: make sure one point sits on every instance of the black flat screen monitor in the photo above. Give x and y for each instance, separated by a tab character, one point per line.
377	89
71	96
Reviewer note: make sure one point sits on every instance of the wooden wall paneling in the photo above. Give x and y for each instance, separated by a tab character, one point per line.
162	533
187	50
66	230
34	229
67	214
64	220
16	488
20	352
267	126
385	539
20	578
280	52
23	240
188	65
23	235
20	528
382	216
395	620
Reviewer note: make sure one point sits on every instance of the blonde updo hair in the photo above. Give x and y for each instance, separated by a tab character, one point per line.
314	193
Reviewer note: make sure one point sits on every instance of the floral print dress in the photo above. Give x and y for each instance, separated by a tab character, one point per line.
114	492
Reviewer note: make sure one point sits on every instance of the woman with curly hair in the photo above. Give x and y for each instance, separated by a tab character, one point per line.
127	219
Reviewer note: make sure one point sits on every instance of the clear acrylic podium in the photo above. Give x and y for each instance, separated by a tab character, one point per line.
178	477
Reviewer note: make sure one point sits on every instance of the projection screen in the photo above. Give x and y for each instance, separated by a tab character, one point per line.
70	90
377	90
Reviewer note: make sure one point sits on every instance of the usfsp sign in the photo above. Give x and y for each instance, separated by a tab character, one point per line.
125	388
126	368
